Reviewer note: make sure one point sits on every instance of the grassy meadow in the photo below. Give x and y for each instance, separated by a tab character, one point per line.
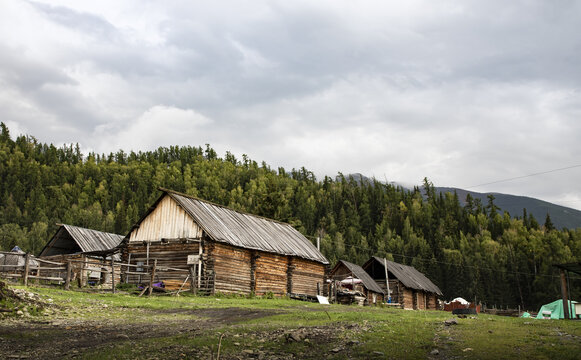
85	325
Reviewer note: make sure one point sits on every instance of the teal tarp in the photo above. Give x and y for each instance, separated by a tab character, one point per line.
556	309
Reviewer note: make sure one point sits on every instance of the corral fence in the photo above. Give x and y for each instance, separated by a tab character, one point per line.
89	271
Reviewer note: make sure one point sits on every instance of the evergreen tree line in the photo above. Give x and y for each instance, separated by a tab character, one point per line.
470	250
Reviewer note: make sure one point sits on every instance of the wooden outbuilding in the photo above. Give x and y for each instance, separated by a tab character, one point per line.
407	286
77	240
226	251
86	249
352	276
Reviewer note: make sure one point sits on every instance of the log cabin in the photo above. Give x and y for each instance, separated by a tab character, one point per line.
345	272
87	249
224	250
407	286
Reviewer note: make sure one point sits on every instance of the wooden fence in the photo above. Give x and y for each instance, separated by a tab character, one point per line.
29	268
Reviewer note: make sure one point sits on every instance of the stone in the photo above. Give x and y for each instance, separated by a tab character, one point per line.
378	353
435	352
295	336
451	322
335	350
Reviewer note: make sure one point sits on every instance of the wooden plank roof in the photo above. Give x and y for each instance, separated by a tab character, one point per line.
408	275
361	274
87	240
245	230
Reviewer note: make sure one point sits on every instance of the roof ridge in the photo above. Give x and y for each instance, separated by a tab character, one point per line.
85	228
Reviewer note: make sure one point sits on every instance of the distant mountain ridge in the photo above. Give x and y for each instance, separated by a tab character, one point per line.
561	216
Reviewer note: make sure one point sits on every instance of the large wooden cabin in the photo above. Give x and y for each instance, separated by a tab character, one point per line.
407	286
231	251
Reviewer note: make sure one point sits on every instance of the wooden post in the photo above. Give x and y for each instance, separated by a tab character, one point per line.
193	279
112	275
564	293
289	275
150	290
126	277
386	279
199	268
253	257
26	268
82	273
68	277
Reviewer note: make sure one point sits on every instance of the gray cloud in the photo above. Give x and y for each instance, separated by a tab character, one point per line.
463	92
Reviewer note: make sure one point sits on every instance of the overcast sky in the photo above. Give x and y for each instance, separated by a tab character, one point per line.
462	92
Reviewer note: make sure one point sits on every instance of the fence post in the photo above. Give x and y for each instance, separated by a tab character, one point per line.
112	275
193	279
152	277
68	278
26	268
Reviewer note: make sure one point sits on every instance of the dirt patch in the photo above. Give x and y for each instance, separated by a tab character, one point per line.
223	315
59	338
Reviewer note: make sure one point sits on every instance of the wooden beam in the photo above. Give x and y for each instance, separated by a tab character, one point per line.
152	277
68	278
26	268
564	293
112	275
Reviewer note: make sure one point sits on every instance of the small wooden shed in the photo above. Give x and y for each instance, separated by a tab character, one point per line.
361	280
231	251
75	240
86	248
407	286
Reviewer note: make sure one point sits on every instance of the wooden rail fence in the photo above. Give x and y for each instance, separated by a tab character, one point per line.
26	267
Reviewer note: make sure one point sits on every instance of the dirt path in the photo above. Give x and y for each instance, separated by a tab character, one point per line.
34	339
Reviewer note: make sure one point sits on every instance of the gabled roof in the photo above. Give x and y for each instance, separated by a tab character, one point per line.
359	273
408	275
72	239
236	228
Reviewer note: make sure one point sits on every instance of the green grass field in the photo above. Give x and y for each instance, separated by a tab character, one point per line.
122	326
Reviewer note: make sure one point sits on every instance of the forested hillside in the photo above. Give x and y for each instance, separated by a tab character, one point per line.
471	251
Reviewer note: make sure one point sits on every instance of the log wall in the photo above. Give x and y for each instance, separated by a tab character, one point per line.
432	302
421	300
167	221
305	276
231	267
172	254
271	274
408	298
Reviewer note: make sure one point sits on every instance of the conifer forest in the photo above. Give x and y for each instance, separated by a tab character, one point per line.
472	250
